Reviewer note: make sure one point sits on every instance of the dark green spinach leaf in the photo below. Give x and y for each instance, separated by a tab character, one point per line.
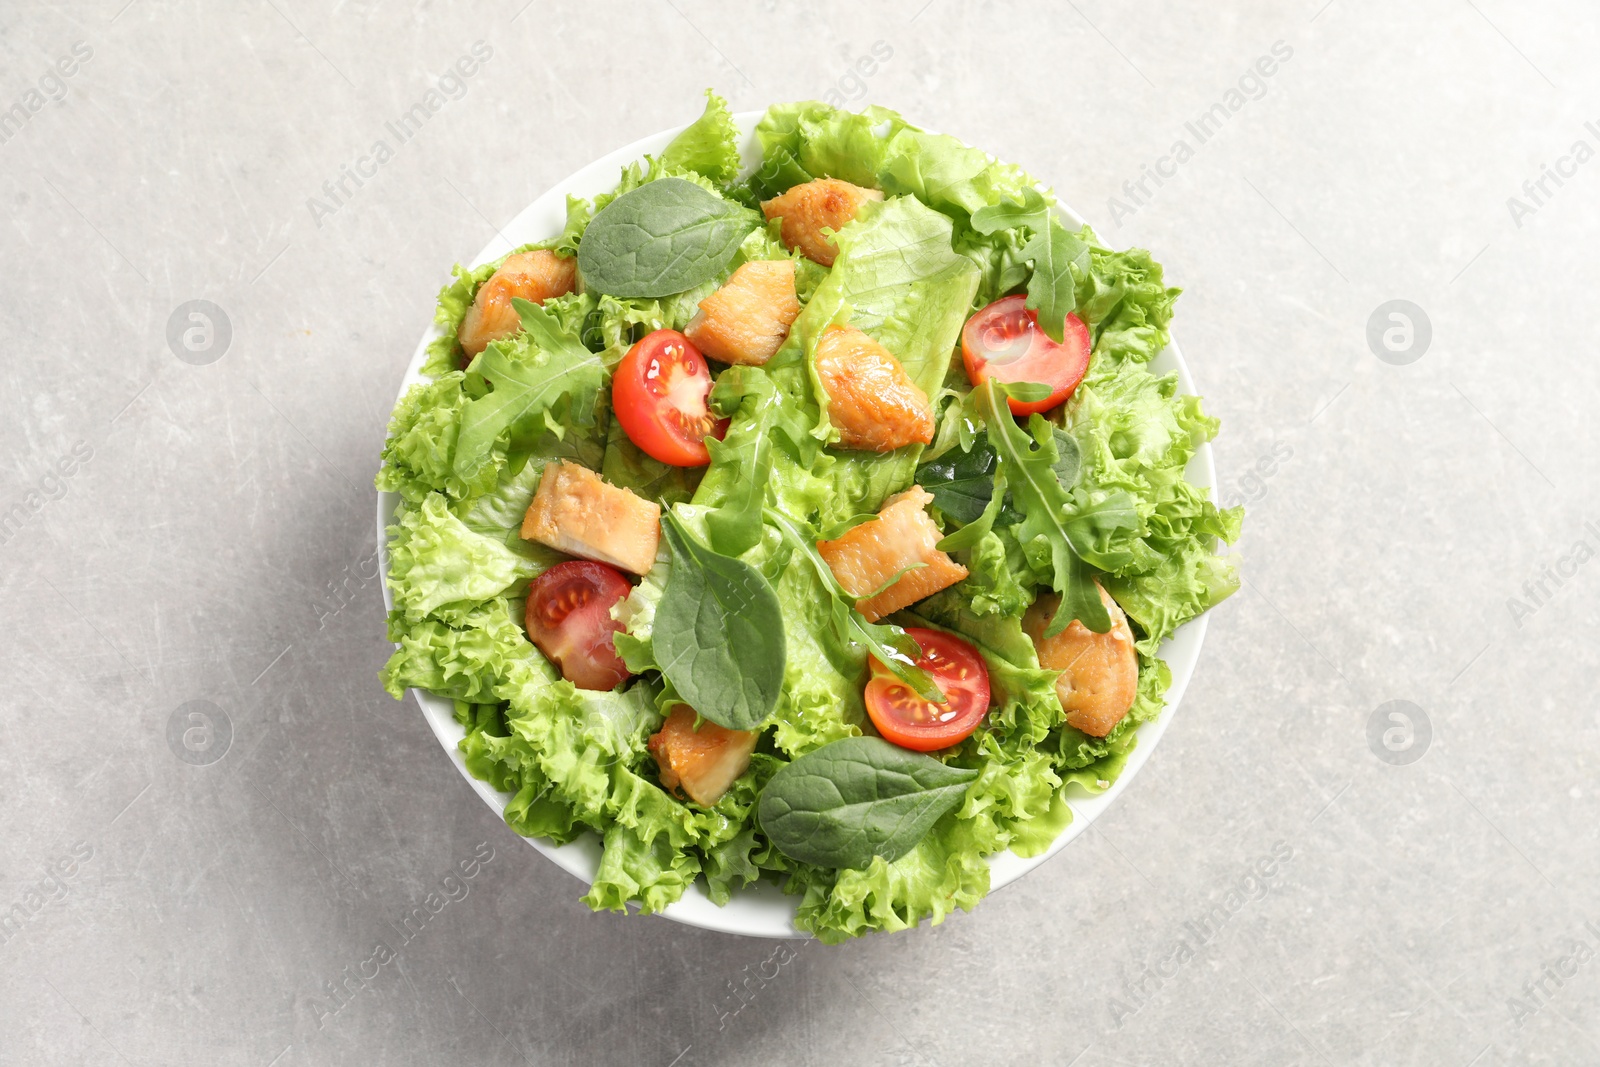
854	799
1068	459
961	482
718	634
661	238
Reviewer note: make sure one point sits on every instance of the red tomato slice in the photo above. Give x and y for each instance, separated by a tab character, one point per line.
659	393
569	619
1004	342
905	719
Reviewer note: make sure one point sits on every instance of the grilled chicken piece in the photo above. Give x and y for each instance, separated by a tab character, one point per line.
703	762
748	318
807	208
1099	678
578	513
867	557
536	276
871	399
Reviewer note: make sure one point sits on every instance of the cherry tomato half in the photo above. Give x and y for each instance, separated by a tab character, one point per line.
907	720
569	619
659	393
1004	342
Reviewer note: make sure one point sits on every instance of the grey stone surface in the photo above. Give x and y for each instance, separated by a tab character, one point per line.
213	543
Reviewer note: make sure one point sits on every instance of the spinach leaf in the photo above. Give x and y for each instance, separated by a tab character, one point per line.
961	481
855	799
1028	458
975	531
718	634
1068	459
891	645
661	238
531	373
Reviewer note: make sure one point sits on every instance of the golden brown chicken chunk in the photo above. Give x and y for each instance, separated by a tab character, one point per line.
807	209
865	558
1099	678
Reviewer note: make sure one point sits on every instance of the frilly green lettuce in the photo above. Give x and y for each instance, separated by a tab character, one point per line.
709	146
435	560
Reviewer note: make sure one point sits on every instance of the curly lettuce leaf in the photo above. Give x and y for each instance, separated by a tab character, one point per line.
436	560
467	658
444	353
419	453
709	146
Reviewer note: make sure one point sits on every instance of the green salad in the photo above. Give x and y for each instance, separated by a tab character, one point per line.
819	524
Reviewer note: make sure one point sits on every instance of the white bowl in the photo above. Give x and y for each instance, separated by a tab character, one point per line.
762	910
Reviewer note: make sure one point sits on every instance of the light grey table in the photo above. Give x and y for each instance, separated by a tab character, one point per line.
1298	876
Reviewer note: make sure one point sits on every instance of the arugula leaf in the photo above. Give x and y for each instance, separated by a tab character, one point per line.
1058	256
1032	213
718	635
1028	458
1093	524
856	799
530	373
845	525
890	644
661	238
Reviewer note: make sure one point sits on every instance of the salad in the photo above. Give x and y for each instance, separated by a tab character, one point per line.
819	524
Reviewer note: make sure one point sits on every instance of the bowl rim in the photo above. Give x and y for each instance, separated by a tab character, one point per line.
762	909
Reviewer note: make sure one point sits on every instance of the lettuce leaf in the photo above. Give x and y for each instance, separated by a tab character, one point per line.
709	146
435	560
897	279
467	658
444	354
419	453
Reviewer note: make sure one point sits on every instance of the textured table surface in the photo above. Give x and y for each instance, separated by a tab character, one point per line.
1303	874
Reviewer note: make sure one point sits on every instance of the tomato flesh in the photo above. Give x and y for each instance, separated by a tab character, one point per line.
1004	342
659	393
569	619
906	719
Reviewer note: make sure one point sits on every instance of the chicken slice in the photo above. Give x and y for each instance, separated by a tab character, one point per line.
578	513
872	401
536	276
867	557
1099	678
703	762
748	318
806	209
